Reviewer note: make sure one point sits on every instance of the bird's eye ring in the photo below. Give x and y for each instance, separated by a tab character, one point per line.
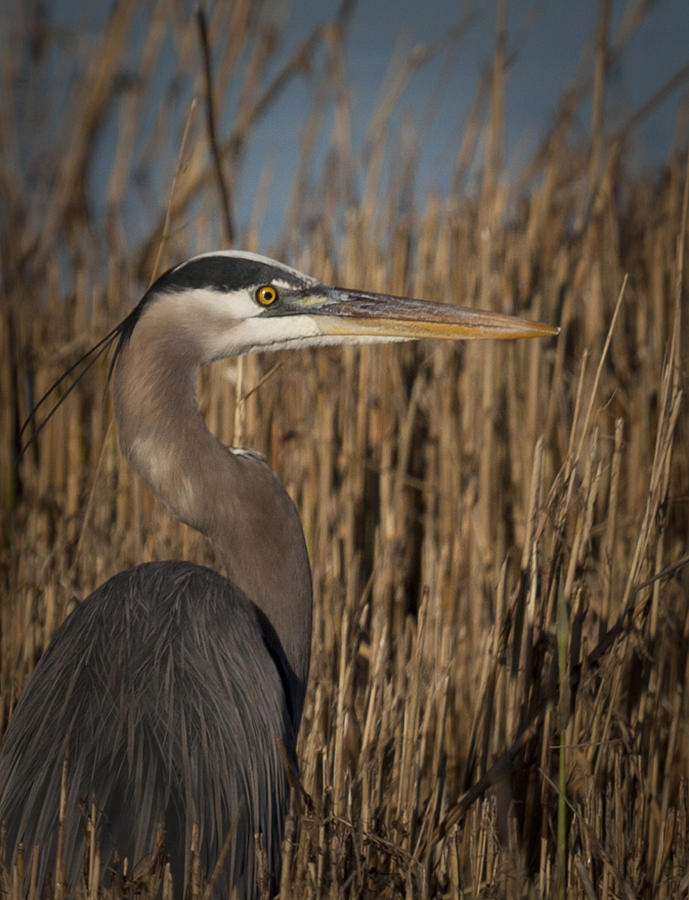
266	295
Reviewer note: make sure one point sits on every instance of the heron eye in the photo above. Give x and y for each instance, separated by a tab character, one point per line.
266	295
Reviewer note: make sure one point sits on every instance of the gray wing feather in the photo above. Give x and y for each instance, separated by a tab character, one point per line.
163	693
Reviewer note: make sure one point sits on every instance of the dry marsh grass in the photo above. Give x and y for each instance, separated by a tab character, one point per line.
498	533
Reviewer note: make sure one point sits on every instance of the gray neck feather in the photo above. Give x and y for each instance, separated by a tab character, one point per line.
234	499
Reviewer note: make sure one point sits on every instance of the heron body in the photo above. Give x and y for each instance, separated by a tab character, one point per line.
137	713
169	691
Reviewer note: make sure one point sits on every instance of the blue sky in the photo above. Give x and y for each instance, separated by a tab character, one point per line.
558	44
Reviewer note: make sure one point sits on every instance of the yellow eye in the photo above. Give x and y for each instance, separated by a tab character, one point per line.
266	295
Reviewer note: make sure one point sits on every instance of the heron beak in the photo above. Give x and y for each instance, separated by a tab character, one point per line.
338	311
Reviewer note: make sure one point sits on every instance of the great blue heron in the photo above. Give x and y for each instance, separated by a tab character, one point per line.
168	690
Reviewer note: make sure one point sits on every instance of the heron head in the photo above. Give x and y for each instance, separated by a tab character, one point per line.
230	303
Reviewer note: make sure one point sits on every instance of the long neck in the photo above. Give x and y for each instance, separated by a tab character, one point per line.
234	498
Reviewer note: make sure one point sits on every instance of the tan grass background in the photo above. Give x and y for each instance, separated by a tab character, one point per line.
498	533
